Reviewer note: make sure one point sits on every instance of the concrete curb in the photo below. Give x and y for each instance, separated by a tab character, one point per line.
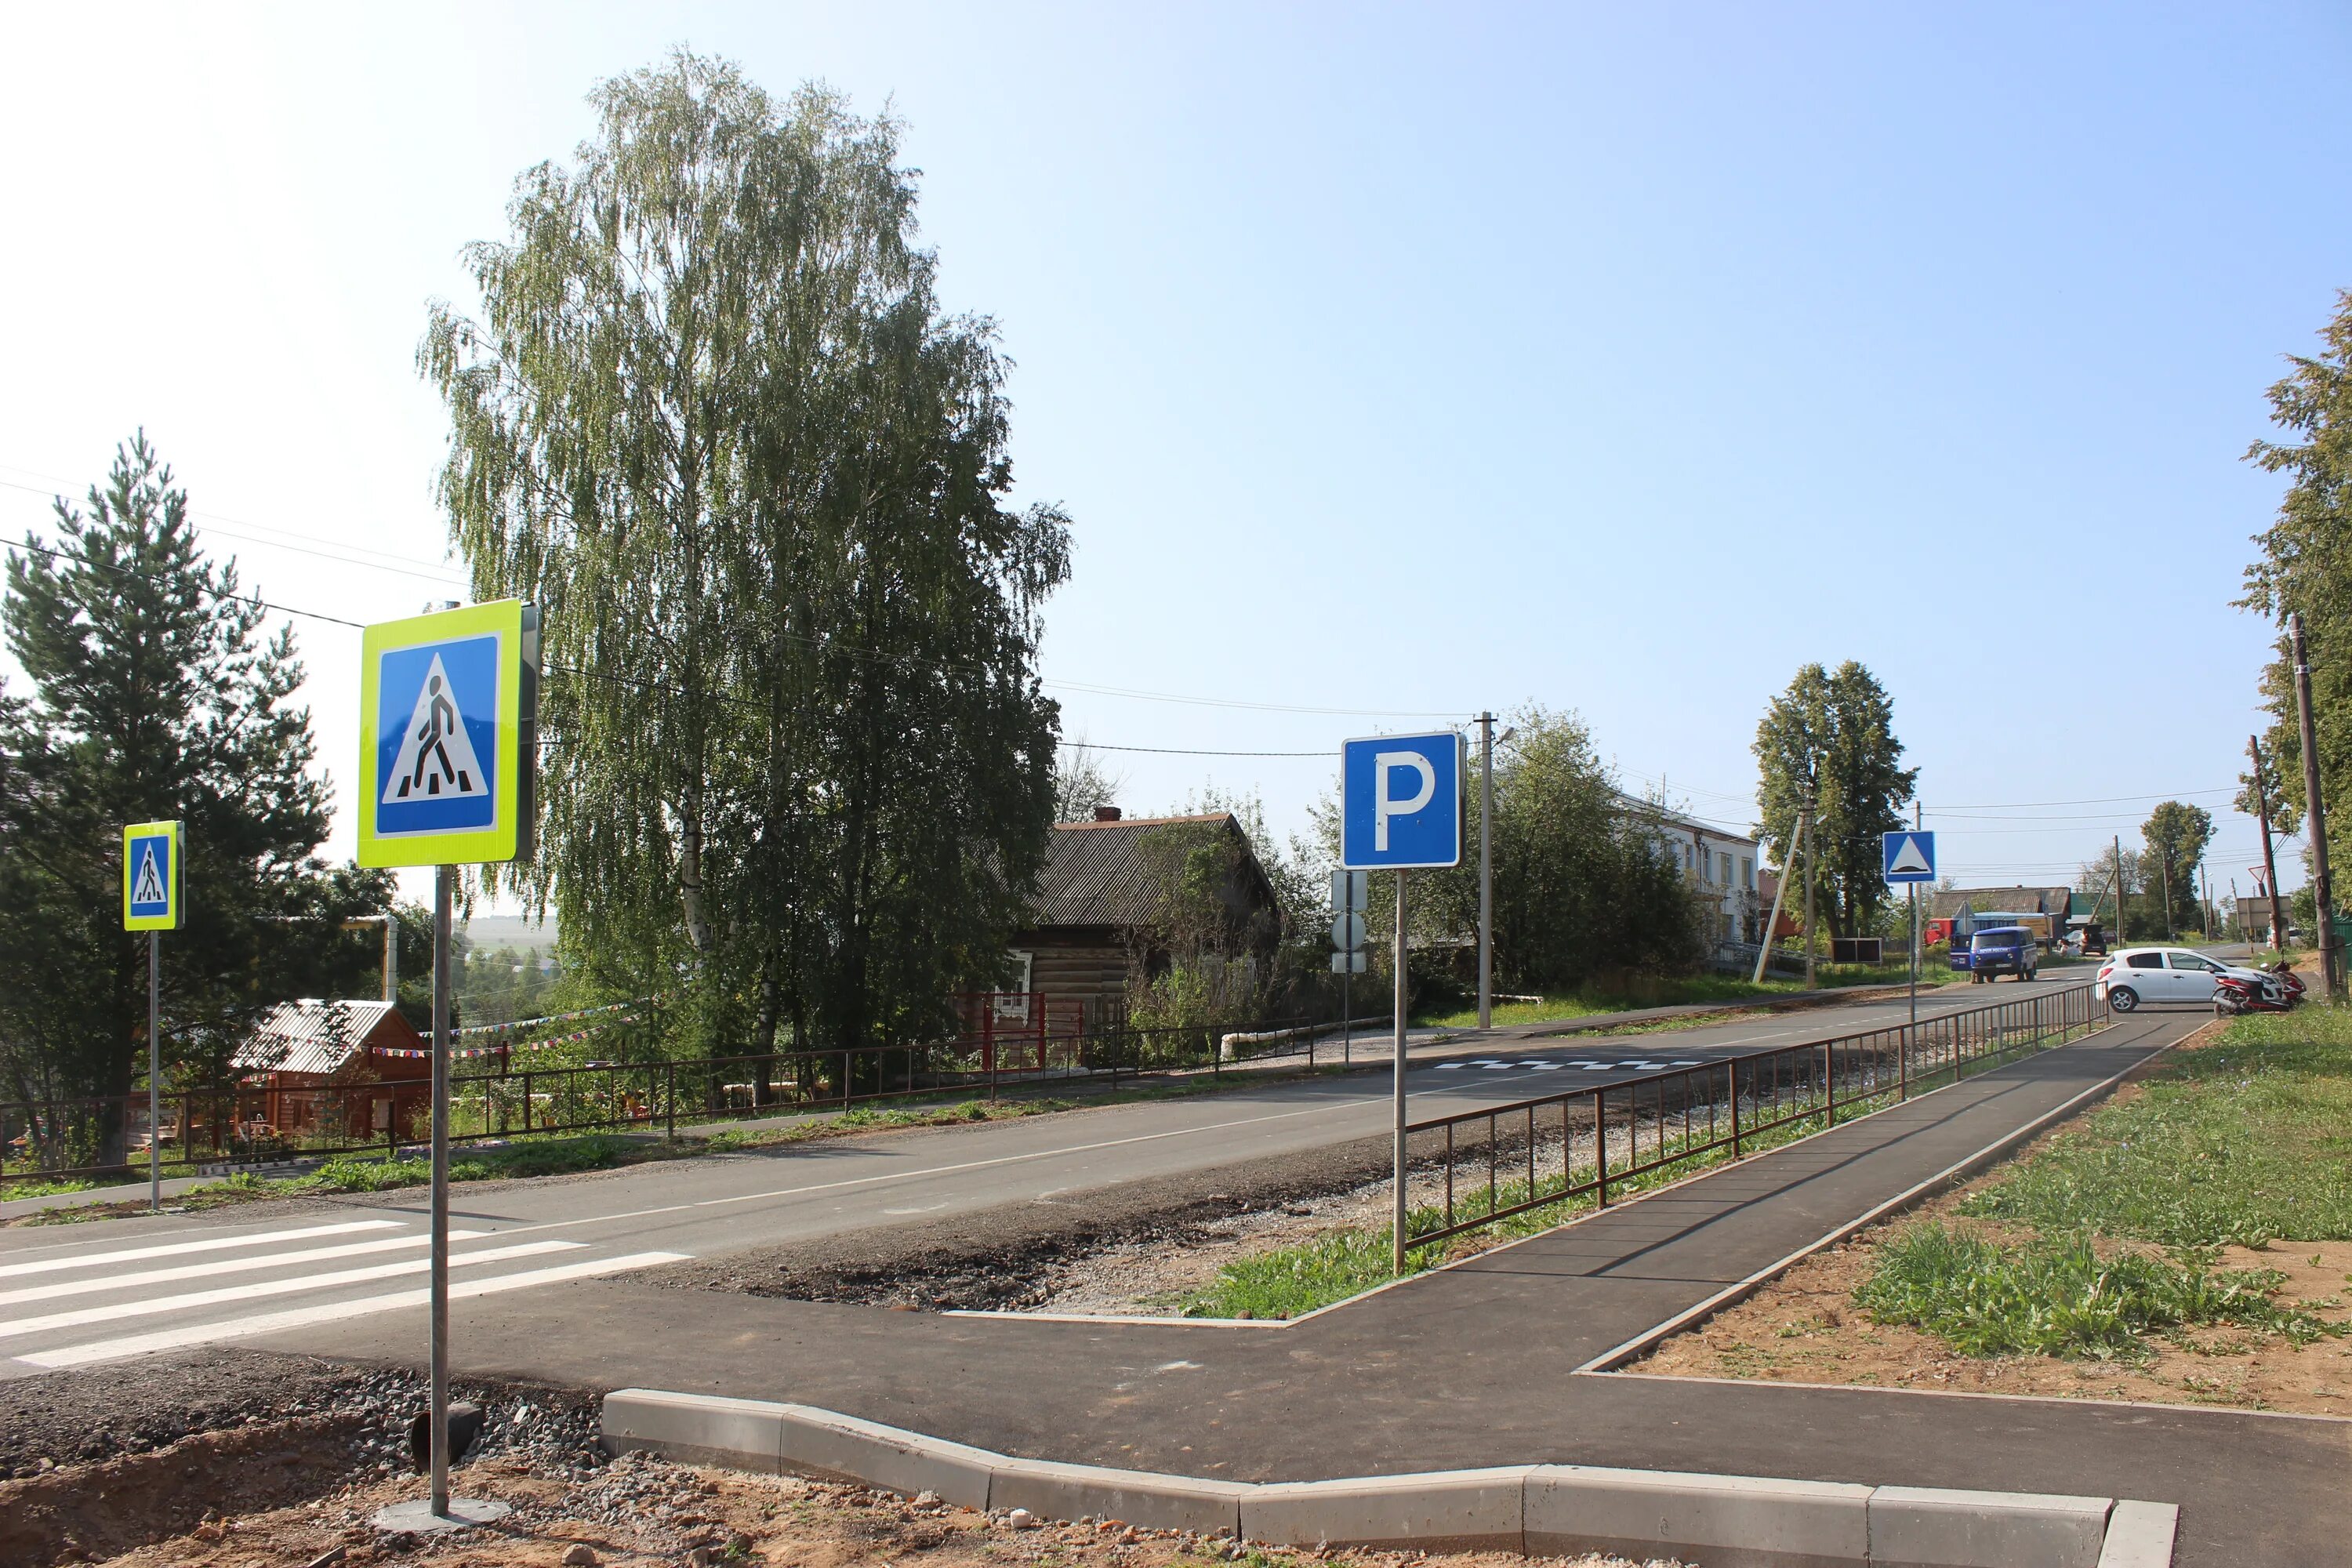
1718	1521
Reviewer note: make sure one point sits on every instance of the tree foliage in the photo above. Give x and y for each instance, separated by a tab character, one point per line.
714	421
2305	566
154	695
2176	834
1584	891
1835	731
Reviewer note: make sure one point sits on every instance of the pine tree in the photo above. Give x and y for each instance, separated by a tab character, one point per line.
153	695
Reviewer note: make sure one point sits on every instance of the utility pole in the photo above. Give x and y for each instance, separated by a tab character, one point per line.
2323	888
1805	827
2164	874
2270	857
1779	893
1485	870
2120	938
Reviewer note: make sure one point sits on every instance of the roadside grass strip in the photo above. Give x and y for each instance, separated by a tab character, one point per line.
1668	992
1290	1281
2110	1232
2060	1296
2242	1142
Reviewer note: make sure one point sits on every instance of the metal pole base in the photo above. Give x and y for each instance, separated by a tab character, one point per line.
415	1517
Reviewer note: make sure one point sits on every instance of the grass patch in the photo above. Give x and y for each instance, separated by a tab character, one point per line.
1286	1281
41	1188
1677	990
2243	1142
2059	1297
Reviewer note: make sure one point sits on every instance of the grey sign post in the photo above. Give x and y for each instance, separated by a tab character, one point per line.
1347	892
1401	809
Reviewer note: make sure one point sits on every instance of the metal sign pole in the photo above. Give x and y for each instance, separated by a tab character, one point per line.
443	877
1485	870
1397	1241
154	1072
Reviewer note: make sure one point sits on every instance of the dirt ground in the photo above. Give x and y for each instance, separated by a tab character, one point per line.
1805	1328
284	1504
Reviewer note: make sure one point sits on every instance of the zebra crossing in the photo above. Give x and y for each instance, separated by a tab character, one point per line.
1585	1064
79	1305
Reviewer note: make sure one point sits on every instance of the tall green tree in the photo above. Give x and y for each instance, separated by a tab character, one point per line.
2176	834
713	419
153	694
1585	890
1835	731
2306	565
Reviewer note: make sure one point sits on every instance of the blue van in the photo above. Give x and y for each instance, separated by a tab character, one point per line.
2001	950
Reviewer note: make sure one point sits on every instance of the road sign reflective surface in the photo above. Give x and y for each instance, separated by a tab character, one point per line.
1400	802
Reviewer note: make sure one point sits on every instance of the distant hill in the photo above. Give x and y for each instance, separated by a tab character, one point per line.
510	931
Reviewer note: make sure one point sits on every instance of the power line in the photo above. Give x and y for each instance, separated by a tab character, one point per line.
2104	800
1327	754
56	490
85	562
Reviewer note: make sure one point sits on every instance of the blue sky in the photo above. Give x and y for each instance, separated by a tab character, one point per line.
1391	362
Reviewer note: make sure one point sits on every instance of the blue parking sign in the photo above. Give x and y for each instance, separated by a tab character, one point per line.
1400	802
1908	857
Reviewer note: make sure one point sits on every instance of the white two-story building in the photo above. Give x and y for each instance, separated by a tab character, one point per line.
1721	865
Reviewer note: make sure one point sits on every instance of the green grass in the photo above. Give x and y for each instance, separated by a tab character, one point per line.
2246	1141
2059	1297
1286	1281
41	1188
2243	1143
1678	991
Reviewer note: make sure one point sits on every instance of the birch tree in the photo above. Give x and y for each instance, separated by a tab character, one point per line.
712	419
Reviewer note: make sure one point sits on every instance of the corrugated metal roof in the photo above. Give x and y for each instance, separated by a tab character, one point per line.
312	1036
1096	875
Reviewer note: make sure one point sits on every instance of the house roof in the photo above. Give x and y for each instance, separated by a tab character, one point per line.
316	1036
1096	874
2018	900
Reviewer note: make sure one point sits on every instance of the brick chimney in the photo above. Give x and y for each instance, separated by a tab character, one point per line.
1106	814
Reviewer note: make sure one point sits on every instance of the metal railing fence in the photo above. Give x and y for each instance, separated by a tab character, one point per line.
1559	1147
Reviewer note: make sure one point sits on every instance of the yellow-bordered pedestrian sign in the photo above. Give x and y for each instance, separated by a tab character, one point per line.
448	720
151	876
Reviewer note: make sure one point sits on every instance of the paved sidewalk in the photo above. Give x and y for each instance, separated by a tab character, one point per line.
1476	1365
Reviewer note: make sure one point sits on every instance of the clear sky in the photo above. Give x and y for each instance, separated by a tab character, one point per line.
1391	362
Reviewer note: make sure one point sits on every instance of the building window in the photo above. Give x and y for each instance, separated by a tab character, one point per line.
1747	873
1722	868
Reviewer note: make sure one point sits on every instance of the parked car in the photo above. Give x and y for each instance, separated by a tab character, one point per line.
2134	975
2004	950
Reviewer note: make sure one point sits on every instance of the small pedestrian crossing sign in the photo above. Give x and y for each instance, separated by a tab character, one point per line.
446	752
1909	857
151	876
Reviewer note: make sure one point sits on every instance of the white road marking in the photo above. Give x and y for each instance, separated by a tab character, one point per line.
151	1305
222	1265
334	1312
211	1244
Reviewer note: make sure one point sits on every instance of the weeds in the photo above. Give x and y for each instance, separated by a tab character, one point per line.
2241	1142
2060	1298
40	1187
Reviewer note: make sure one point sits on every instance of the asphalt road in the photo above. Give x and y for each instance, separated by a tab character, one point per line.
109	1289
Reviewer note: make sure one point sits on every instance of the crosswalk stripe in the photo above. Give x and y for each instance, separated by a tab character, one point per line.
333	1311
176	1248
222	1265
149	1305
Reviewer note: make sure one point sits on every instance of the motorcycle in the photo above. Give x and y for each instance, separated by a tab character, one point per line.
2237	994
2290	980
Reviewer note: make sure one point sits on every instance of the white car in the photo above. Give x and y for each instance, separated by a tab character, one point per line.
2134	975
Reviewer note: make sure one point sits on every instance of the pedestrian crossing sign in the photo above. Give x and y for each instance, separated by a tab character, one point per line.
447	743
1909	857
151	876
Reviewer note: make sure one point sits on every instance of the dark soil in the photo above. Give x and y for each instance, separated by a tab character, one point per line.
103	1459
1001	1258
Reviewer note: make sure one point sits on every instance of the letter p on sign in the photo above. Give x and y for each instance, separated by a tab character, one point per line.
1400	802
